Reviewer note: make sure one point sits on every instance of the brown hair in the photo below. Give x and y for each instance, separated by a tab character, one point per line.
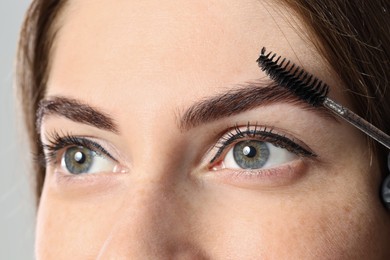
35	44
353	36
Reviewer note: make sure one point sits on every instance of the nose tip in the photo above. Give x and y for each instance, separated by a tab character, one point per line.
154	222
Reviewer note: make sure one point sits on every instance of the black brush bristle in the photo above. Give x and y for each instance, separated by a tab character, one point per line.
288	75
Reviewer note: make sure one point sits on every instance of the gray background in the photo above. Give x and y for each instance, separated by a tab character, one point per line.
17	212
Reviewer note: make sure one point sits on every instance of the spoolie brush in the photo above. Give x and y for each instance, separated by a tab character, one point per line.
313	91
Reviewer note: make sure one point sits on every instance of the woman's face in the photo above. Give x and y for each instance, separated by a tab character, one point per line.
165	140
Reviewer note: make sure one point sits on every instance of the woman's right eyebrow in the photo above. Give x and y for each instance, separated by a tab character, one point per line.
75	111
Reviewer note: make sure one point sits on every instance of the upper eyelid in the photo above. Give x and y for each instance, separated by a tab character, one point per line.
100	148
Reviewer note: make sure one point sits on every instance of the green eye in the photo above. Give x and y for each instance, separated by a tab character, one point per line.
255	155
251	154
78	159
77	155
256	148
82	160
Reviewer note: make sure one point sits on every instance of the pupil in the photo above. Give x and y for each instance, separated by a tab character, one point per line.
249	151
79	157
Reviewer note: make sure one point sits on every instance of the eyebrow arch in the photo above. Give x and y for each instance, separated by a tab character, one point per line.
242	98
75	111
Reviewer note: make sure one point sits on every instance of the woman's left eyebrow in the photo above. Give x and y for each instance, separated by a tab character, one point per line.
242	98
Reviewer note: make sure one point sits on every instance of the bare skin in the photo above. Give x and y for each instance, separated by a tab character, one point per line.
144	63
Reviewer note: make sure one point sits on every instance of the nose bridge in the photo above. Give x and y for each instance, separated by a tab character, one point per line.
153	223
156	219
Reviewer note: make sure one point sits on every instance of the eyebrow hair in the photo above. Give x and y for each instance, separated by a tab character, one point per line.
75	111
244	97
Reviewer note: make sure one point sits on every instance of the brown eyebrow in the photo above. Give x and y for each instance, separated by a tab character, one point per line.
244	97
75	111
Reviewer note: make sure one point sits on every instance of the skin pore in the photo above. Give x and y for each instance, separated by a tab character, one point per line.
144	64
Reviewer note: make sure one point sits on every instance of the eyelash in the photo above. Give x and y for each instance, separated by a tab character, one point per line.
57	142
261	133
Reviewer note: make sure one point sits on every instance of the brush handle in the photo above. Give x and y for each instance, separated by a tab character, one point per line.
358	122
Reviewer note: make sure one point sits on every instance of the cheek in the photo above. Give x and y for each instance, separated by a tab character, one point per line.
348	226
325	232
339	221
343	221
72	229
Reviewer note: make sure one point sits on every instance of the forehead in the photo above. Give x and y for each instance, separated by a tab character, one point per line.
151	47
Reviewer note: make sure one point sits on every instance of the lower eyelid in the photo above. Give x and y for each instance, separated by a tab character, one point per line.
88	184
282	175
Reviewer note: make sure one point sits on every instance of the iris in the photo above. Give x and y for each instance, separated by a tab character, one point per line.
251	154
78	159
